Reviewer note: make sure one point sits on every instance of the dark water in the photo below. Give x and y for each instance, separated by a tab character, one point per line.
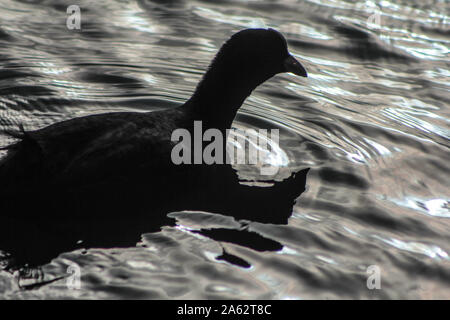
371	121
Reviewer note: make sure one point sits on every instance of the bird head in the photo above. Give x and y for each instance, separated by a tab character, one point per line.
258	54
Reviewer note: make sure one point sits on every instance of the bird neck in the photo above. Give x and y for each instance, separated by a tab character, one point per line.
219	96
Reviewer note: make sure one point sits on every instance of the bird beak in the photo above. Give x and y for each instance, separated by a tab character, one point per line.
292	65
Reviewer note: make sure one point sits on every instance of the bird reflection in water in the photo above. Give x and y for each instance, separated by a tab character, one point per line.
103	180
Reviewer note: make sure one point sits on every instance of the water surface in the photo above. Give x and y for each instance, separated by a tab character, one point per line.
371	121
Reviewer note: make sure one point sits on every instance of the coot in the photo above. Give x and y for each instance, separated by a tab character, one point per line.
107	178
93	151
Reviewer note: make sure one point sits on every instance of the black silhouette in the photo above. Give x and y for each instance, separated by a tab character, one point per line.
105	179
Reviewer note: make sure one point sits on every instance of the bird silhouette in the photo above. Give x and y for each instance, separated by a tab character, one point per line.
105	179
